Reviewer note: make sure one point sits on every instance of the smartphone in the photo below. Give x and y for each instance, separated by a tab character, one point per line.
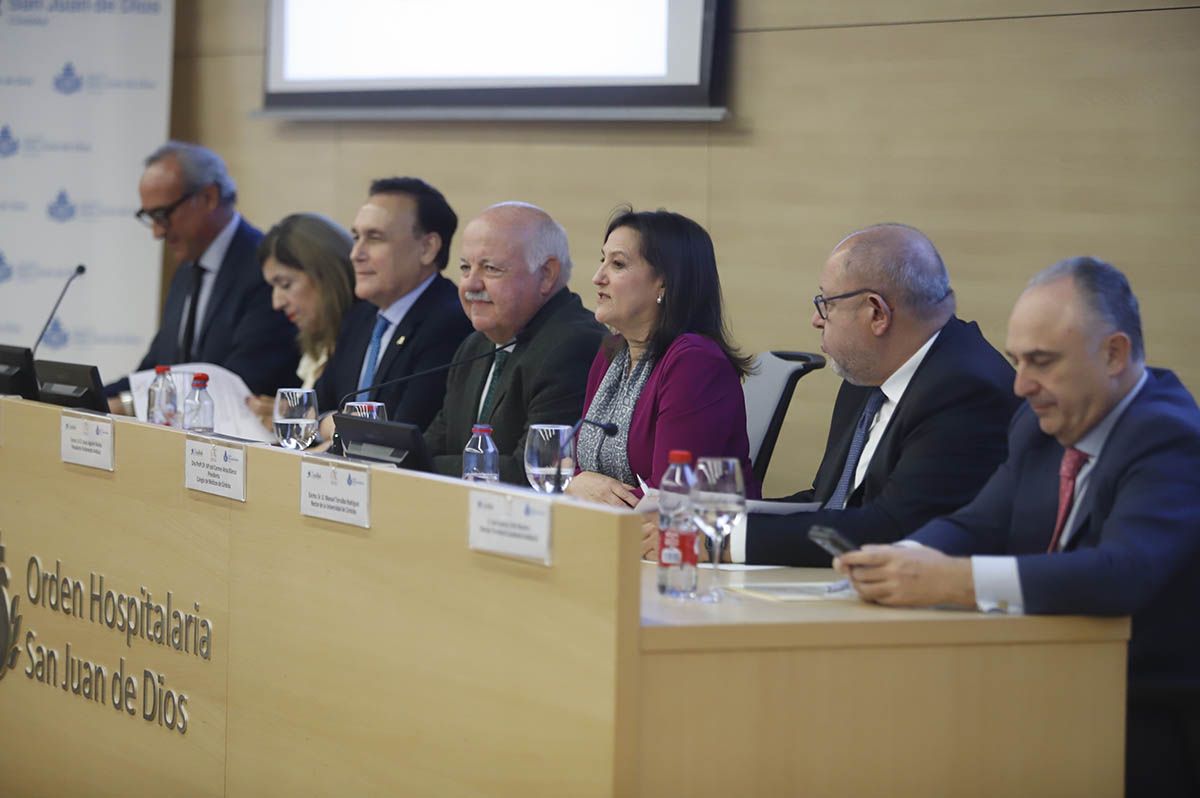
831	540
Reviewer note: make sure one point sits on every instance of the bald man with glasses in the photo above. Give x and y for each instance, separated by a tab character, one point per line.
920	420
218	309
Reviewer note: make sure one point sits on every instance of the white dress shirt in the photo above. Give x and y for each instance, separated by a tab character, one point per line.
893	389
997	582
211	261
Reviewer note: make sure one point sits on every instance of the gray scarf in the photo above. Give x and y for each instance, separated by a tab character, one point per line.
614	401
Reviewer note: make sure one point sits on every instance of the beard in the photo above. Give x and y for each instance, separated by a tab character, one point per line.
853	370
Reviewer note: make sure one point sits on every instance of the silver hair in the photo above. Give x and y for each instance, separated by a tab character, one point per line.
1105	292
910	268
199	166
547	239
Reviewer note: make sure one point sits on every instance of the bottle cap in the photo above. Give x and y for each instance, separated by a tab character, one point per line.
162	369
679	456
199	380
481	429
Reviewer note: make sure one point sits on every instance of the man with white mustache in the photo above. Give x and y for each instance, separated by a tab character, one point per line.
515	265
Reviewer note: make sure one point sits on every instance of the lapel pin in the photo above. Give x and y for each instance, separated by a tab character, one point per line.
400	341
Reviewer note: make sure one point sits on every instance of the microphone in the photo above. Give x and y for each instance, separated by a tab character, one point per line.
425	373
607	427
80	269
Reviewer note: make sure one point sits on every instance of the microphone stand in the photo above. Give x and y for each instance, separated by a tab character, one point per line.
336	443
444	367
609	429
80	269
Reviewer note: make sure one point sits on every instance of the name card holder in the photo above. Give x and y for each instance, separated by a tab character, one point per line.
509	525
212	465
335	490
86	439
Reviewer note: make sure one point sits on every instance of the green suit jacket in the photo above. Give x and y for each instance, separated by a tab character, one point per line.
543	382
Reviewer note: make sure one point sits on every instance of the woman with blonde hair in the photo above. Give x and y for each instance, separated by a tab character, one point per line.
306	261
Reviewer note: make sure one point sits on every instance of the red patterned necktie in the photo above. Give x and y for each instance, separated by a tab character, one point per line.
1072	461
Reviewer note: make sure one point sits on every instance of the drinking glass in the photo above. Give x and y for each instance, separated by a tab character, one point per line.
372	410
549	457
296	417
719	503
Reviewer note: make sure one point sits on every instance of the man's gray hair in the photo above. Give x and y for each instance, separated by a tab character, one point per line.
547	239
1105	292
901	261
199	166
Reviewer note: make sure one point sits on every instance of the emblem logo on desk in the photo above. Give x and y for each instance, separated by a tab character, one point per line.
10	622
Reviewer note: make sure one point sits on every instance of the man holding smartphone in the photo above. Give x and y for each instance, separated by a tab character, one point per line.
919	422
1094	512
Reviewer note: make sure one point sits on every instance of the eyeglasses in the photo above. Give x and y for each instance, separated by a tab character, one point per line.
821	302
161	216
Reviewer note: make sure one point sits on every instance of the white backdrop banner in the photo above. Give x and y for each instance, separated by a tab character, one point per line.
85	89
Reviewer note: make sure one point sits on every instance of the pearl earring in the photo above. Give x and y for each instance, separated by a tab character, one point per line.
659	300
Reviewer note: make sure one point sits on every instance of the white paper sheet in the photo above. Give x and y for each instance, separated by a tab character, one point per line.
228	391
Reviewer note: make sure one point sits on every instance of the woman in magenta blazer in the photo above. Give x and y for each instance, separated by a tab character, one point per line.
670	378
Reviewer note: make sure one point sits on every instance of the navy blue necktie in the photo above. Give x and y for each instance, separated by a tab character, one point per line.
842	492
372	362
189	321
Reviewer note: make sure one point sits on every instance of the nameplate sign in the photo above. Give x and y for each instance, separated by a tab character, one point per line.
509	525
215	466
86	440
335	490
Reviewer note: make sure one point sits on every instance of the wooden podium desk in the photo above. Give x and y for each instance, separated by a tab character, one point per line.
394	660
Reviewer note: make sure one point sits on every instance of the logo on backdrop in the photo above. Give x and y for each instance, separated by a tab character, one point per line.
10	621
6	271
56	335
67	81
62	209
32	145
8	144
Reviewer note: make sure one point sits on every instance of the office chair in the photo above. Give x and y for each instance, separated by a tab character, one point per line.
768	393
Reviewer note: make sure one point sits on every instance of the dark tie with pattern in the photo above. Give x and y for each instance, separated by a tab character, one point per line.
841	493
189	323
485	410
1068	470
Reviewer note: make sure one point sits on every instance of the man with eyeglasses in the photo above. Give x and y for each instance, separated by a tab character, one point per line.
920	420
218	309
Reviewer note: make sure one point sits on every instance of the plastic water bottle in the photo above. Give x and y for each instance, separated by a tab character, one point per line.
162	402
198	406
677	538
481	458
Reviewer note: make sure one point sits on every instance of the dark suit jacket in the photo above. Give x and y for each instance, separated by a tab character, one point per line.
425	338
542	383
944	440
240	330
1137	548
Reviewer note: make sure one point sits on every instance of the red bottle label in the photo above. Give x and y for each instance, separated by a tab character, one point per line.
676	548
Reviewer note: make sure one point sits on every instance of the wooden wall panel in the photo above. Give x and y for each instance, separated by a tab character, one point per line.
1012	141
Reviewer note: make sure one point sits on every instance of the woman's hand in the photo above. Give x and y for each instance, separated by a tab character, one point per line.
599	488
264	408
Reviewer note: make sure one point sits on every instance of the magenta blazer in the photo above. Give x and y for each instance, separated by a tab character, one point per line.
693	400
